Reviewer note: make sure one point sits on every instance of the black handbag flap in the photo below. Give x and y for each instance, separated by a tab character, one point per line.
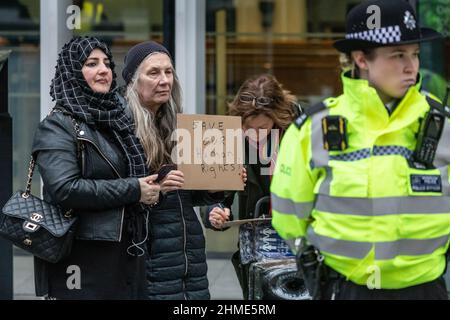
38	212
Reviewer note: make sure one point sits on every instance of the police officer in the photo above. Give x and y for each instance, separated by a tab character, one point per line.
363	177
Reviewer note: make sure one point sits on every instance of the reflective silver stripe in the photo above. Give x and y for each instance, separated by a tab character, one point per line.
383	250
443	150
325	186
408	247
392	150
352	156
383	206
444	181
352	249
319	154
301	209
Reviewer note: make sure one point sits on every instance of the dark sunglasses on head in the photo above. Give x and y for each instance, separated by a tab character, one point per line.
247	98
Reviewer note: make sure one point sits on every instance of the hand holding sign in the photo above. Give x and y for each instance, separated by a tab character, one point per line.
174	180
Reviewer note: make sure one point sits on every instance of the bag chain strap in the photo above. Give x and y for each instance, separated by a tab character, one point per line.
27	192
32	164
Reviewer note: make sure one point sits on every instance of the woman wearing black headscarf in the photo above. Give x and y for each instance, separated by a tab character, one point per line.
90	161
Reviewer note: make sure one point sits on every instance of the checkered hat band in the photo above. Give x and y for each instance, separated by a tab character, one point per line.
385	35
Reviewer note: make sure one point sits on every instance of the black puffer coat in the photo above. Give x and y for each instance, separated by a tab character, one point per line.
176	267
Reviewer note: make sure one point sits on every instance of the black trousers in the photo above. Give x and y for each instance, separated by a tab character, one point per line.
347	290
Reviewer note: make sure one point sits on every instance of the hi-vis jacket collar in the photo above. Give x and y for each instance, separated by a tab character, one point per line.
366	105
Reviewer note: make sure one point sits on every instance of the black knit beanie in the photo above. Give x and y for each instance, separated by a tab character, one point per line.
137	54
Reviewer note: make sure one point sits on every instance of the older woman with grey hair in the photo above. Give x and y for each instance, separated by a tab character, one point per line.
176	264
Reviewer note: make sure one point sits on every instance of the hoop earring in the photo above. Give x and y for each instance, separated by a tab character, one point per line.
353	69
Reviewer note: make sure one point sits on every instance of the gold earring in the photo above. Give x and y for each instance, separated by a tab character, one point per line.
353	69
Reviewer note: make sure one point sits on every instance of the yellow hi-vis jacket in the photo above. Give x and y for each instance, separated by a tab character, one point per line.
91	15
365	208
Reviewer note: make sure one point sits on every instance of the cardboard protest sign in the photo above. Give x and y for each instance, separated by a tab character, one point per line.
209	152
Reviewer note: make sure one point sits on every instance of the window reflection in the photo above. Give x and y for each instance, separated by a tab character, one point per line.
292	39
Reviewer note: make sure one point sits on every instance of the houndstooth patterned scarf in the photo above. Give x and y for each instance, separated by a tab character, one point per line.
70	91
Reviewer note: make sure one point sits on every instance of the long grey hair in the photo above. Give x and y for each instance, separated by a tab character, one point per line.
155	130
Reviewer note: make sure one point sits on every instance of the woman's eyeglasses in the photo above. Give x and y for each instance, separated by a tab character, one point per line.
247	98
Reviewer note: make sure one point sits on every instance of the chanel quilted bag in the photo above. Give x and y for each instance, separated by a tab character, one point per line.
37	226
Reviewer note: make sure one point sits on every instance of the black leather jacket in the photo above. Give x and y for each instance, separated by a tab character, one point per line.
99	191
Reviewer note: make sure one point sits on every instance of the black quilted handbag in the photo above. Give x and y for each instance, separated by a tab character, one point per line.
37	226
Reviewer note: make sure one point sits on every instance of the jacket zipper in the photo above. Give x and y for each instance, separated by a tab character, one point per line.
111	165
184	245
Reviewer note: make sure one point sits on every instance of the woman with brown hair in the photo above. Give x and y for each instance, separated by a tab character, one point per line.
263	98
266	110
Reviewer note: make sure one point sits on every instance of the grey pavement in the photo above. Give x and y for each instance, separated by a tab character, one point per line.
23	277
223	283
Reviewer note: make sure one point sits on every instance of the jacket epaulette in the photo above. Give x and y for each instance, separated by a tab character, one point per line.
315	108
434	103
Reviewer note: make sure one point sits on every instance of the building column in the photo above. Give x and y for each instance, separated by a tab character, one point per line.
290	18
248	20
54	33
190	53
